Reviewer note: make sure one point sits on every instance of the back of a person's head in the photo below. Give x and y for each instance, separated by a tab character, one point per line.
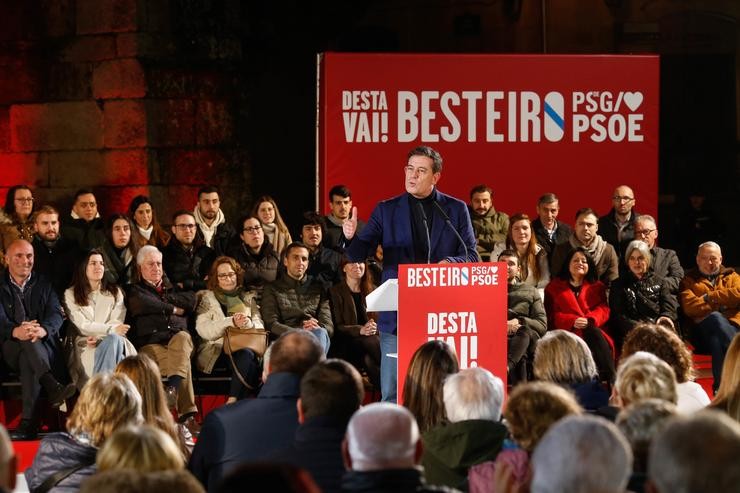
727	397
382	436
563	357
144	373
696	454
473	393
331	388
143	448
581	454
640	423
664	343
268	477
534	407
107	402
295	352
643	376
7	461
133	481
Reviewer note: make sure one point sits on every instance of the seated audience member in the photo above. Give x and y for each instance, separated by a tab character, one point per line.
639	295
563	358
696	453
147	230
54	256
95	306
144	448
131	481
144	373
120	250
159	328
665	262
295	301
256	255
187	259
84	225
30	319
618	226
340	202
227	304
106	403
668	346
642	376
8	463
331	392
581	454
269	477
490	226
16	217
382	451
640	423
547	229
273	225
727	398
217	233
710	298
473	400
584	235
526	320
430	365
323	262
356	333
576	301
533	266
251	429
531	410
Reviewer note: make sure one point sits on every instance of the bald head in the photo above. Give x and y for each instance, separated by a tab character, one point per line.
623	200
709	258
382	436
19	257
295	352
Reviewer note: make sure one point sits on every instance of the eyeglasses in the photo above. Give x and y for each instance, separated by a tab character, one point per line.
623	198
185	226
227	275
253	229
645	232
25	200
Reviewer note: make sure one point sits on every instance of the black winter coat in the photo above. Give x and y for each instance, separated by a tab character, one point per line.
150	313
258	269
633	301
187	267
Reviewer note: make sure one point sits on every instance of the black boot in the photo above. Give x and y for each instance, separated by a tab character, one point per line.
27	430
57	392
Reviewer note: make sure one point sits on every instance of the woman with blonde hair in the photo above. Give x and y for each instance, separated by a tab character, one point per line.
273	225
644	376
106	403
143	448
727	397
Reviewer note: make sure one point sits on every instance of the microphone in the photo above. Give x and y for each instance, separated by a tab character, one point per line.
426	230
454	230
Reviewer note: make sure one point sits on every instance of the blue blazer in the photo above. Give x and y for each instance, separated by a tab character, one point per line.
390	227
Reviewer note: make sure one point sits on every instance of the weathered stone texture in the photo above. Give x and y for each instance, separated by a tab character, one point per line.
4	129
28	168
90	48
56	126
106	16
122	78
69	82
125	124
214	124
97	168
170	122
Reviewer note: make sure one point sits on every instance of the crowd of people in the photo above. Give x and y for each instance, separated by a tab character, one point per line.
124	310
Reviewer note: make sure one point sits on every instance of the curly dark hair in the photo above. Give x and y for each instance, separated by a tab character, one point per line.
664	343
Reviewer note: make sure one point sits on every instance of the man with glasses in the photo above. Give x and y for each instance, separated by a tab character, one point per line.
665	262
256	255
618	226
187	259
84	225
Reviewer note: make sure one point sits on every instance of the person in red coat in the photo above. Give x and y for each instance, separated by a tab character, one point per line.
576	301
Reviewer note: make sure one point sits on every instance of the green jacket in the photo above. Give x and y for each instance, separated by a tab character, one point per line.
489	229
286	303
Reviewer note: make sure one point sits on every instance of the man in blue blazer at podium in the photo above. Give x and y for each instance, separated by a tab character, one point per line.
420	226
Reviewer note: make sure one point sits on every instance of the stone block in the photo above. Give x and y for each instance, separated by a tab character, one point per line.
90	48
144	45
171	122
4	129
106	16
116	79
180	83
59	17
69	81
20	80
56	126
117	199
28	168
97	168
194	167
214	123
124	124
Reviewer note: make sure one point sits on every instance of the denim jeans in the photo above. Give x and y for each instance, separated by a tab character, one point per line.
716	332
388	367
108	353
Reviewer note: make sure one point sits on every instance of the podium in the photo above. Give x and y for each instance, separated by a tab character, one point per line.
464	305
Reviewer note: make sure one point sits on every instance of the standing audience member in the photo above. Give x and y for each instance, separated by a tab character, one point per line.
489	225
697	453
668	346
217	233
30	319
147	230
273	225
356	333
84	225
144	448
331	392
340	203
547	229
227	304
187	259
581	454
576	301
256	255
710	298
430	365
382	451
120	250
8	463
95	306
473	401
16	218
65	459
618	226
727	397
55	256
252	429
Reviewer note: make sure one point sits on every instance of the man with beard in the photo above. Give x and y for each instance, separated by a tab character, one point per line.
55	255
340	201
323	262
217	233
490	226
255	254
187	259
84	225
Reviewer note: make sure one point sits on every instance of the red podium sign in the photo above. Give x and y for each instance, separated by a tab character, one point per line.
463	305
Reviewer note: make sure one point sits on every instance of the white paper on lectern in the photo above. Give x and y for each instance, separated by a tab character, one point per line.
384	298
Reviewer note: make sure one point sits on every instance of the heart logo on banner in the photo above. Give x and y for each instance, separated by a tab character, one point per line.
633	100
494	268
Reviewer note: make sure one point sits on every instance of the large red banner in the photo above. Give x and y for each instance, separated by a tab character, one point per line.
463	305
525	125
